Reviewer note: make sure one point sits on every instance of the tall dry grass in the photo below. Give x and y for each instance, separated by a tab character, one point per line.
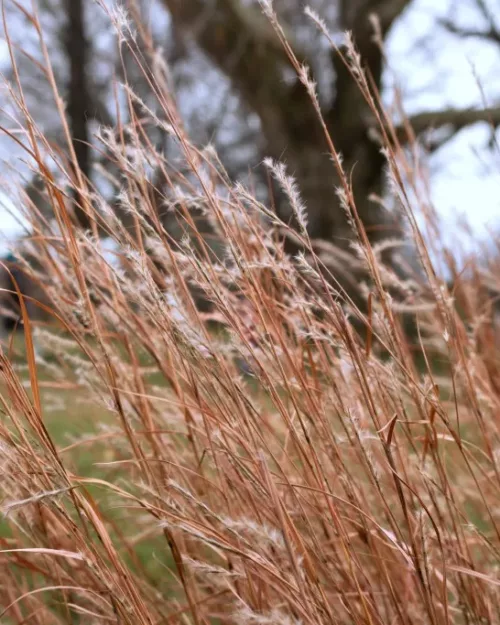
275	465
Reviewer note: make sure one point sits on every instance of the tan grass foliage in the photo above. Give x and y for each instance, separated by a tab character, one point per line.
261	463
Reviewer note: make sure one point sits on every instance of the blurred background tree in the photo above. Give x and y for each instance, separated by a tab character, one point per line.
236	89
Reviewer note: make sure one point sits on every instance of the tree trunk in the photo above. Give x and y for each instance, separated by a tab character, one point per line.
298	139
245	48
79	100
10	310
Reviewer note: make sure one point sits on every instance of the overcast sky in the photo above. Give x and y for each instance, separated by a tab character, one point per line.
435	70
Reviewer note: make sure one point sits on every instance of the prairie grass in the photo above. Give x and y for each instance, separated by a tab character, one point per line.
262	462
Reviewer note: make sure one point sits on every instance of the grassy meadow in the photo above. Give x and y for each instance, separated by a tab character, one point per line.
289	453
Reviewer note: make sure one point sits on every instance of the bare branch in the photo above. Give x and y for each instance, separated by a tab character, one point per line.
492	34
456	119
489	33
445	124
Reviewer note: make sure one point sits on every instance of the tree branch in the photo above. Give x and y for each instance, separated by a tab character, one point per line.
457	119
492	34
489	33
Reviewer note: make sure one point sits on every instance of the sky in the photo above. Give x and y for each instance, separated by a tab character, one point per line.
434	71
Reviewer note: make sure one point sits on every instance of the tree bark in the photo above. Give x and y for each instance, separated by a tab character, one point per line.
250	54
79	99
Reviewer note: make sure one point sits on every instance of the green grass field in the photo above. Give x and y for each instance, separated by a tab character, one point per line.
81	431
